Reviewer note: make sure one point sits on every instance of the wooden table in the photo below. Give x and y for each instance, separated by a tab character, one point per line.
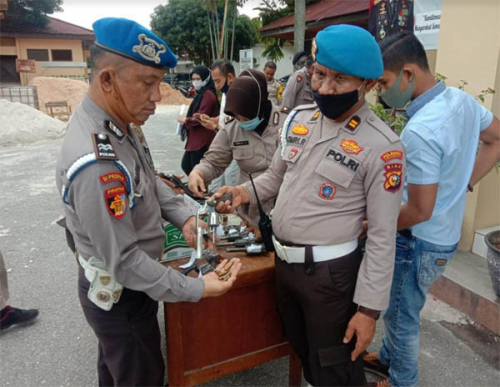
223	335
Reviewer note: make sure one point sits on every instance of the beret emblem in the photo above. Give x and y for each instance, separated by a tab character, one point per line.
149	49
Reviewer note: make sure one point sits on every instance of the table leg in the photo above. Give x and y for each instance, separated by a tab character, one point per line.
295	371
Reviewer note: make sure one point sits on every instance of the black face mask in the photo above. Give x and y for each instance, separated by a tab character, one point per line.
225	88
334	105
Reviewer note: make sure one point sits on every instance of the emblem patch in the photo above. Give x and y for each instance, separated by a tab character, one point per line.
112	176
342	159
293	152
103	148
299	78
316	115
392	154
301	130
116	201
351	146
393	176
240	143
353	123
149	49
327	191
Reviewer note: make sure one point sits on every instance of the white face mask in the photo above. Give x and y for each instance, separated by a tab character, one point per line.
199	84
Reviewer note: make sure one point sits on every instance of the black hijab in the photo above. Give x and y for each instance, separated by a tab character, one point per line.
204	73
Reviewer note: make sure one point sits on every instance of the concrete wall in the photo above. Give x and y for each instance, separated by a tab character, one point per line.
284	66
468	49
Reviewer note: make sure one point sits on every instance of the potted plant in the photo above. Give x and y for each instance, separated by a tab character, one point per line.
493	257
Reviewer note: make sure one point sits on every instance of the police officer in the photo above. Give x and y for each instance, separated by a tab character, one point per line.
114	206
337	163
274	87
388	17
250	137
298	88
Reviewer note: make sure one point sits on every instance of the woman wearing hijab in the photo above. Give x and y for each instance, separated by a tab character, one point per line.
249	137
205	102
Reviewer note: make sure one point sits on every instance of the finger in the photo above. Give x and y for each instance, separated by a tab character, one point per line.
348	334
360	347
201	184
221	264
180	176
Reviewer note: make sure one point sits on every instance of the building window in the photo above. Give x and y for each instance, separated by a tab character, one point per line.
39	55
62	55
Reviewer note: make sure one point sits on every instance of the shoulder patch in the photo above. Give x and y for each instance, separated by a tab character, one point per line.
114	130
102	147
393	176
353	123
112	176
392	154
276	118
228	119
299	78
116	201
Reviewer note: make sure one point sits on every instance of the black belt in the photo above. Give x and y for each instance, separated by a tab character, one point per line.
288	244
406	233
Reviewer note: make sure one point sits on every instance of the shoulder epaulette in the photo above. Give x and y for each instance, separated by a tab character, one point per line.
382	128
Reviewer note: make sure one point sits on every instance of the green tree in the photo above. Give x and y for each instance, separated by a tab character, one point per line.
183	25
25	14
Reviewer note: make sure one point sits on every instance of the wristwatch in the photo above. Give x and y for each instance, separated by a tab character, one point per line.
217	128
369	312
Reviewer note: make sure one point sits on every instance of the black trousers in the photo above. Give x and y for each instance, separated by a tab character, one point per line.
191	159
129	351
315	310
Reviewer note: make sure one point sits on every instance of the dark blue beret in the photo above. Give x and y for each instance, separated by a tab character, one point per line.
131	40
350	50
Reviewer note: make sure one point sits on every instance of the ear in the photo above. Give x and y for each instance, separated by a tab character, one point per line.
409	71
231	77
370	83
106	78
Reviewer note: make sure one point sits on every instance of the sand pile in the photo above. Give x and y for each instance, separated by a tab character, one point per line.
52	89
21	124
170	96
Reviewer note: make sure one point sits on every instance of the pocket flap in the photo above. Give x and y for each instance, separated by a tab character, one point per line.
242	153
336	173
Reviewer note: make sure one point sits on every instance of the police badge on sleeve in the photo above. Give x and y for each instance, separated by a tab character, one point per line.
116	201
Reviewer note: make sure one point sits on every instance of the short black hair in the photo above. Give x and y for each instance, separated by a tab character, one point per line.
96	55
271	65
100	57
401	48
224	66
309	61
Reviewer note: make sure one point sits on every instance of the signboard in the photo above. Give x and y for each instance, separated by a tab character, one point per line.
428	22
25	66
246	59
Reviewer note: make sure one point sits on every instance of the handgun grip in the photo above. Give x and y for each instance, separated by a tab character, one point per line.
223	198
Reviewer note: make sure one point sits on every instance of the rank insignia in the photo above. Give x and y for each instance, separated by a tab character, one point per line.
316	115
114	130
285	110
293	152
393	176
327	191
392	154
299	78
351	146
276	118
353	123
112	176
228	119
102	147
301	130
116	201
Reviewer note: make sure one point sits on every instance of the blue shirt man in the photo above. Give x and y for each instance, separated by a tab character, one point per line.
441	142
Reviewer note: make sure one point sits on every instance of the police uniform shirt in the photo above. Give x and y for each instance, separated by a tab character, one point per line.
115	205
389	17
298	90
273	89
252	152
327	177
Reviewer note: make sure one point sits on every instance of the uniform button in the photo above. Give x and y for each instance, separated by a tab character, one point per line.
308	270
371	119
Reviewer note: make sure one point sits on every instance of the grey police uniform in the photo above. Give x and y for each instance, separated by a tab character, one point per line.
273	89
252	152
114	205
298	90
328	177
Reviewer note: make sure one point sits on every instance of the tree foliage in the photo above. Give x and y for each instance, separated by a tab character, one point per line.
183	24
24	14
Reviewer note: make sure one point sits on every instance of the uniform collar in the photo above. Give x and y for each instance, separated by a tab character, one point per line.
102	118
424	98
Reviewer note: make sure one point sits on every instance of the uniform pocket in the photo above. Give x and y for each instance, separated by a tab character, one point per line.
242	153
432	266
336	173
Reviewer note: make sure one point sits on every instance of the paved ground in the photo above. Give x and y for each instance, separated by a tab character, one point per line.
60	349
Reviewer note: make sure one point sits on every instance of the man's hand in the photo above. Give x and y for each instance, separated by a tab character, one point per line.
182	119
363	327
196	183
177	190
213	286
240	196
207	122
189	231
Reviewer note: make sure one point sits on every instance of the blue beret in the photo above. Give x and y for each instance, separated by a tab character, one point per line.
350	50
131	40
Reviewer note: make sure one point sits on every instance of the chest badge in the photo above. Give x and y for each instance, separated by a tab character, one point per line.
327	191
116	201
393	177
301	130
351	146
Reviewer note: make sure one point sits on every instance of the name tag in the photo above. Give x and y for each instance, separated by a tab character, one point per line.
343	159
240	143
296	140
